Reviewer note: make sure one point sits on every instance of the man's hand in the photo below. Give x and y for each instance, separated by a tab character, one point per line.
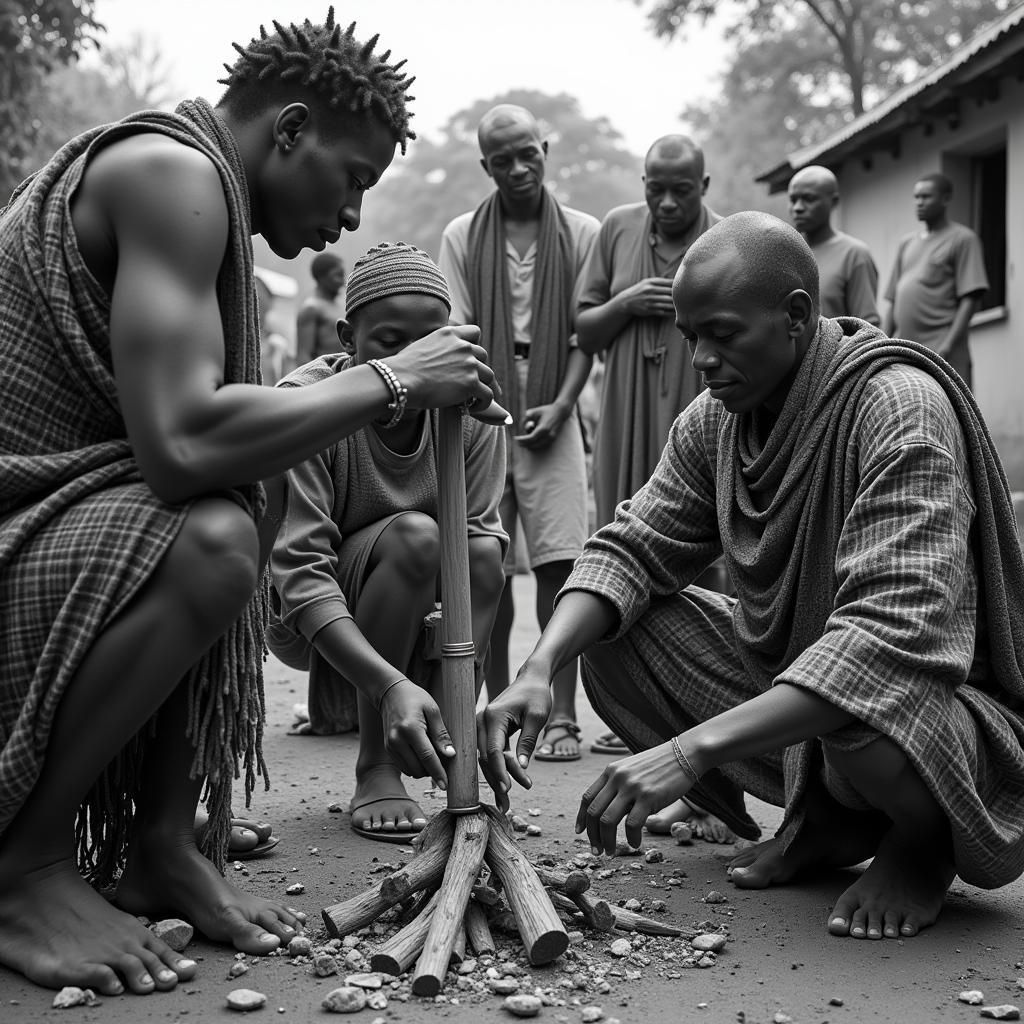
631	788
414	732
524	706
650	297
445	368
540	426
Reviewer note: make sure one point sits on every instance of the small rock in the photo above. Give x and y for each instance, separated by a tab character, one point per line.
364	980
177	934
300	946
681	833
621	948
71	996
237	969
295	890
708	960
377	1001
835	1001
324	965
972	997
782	1018
633	904
715	897
654	856
519	824
659	906
709	942
523	1005
591	1013
533	812
503	986
346	999
1004	1012
533	830
246	999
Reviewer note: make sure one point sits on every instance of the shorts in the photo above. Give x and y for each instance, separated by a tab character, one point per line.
545	491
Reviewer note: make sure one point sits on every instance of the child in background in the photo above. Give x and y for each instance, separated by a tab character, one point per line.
356	562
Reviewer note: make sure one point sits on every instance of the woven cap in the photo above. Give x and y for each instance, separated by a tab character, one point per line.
394	268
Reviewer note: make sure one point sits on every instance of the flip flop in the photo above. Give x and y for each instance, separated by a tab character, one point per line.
394	835
609	743
570	729
261	849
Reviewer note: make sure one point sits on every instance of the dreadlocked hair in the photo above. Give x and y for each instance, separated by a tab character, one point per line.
331	64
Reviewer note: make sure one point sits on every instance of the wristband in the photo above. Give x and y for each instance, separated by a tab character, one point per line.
684	761
399	392
384	692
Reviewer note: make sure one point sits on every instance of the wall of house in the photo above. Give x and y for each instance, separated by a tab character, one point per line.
877	206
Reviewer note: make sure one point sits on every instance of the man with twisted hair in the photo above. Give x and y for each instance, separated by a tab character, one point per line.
867	676
134	437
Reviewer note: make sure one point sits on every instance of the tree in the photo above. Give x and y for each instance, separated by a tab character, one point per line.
36	36
803	68
588	168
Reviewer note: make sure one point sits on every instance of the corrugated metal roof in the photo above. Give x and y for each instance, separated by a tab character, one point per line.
972	49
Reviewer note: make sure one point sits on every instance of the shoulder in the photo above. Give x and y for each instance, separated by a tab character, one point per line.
901	405
582	225
961	233
630	215
458	227
851	244
316	370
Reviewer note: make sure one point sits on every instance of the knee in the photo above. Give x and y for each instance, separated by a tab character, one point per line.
412	545
876	770
215	558
486	572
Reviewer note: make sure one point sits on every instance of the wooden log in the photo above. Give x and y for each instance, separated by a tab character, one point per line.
459	949
467	857
478	931
485	895
399	953
571	883
458	678
543	934
597	913
424	870
631	921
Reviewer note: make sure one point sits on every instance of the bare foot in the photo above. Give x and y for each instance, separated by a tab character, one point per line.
56	931
835	846
246	833
169	874
705	826
901	891
382	804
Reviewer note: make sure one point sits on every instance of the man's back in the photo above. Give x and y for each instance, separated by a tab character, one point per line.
848	280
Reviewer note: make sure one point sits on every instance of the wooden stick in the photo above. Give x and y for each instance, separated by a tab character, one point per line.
540	927
572	884
459	949
478	932
399	953
597	913
631	921
458	703
425	869
467	857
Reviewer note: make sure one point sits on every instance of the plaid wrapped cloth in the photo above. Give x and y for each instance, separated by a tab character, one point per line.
872	543
80	533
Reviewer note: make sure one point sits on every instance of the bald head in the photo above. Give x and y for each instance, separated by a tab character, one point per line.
813	195
676	149
504	116
770	258
820	179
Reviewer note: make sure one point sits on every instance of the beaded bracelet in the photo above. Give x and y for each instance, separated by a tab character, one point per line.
684	761
399	392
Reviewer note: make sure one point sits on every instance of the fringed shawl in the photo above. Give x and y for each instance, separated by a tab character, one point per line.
63	448
551	324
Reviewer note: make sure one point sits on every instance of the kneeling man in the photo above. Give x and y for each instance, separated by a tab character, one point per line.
865	676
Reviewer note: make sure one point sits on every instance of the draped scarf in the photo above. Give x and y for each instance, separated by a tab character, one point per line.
63	440
551	323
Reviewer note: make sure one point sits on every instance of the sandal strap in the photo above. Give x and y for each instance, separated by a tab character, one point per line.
568	725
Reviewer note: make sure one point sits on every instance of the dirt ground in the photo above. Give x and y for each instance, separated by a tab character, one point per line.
778	964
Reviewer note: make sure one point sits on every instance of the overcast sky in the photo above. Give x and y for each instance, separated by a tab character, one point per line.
600	51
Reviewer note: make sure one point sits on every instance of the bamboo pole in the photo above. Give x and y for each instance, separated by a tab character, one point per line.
478	931
458	703
467	857
399	953
425	869
540	927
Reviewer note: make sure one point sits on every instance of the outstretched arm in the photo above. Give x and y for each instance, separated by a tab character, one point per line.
164	207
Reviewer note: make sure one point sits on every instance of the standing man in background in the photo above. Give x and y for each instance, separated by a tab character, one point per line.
848	275
317	322
937	279
513	266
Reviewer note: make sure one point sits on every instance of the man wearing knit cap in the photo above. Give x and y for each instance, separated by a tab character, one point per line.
356	561
514	266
